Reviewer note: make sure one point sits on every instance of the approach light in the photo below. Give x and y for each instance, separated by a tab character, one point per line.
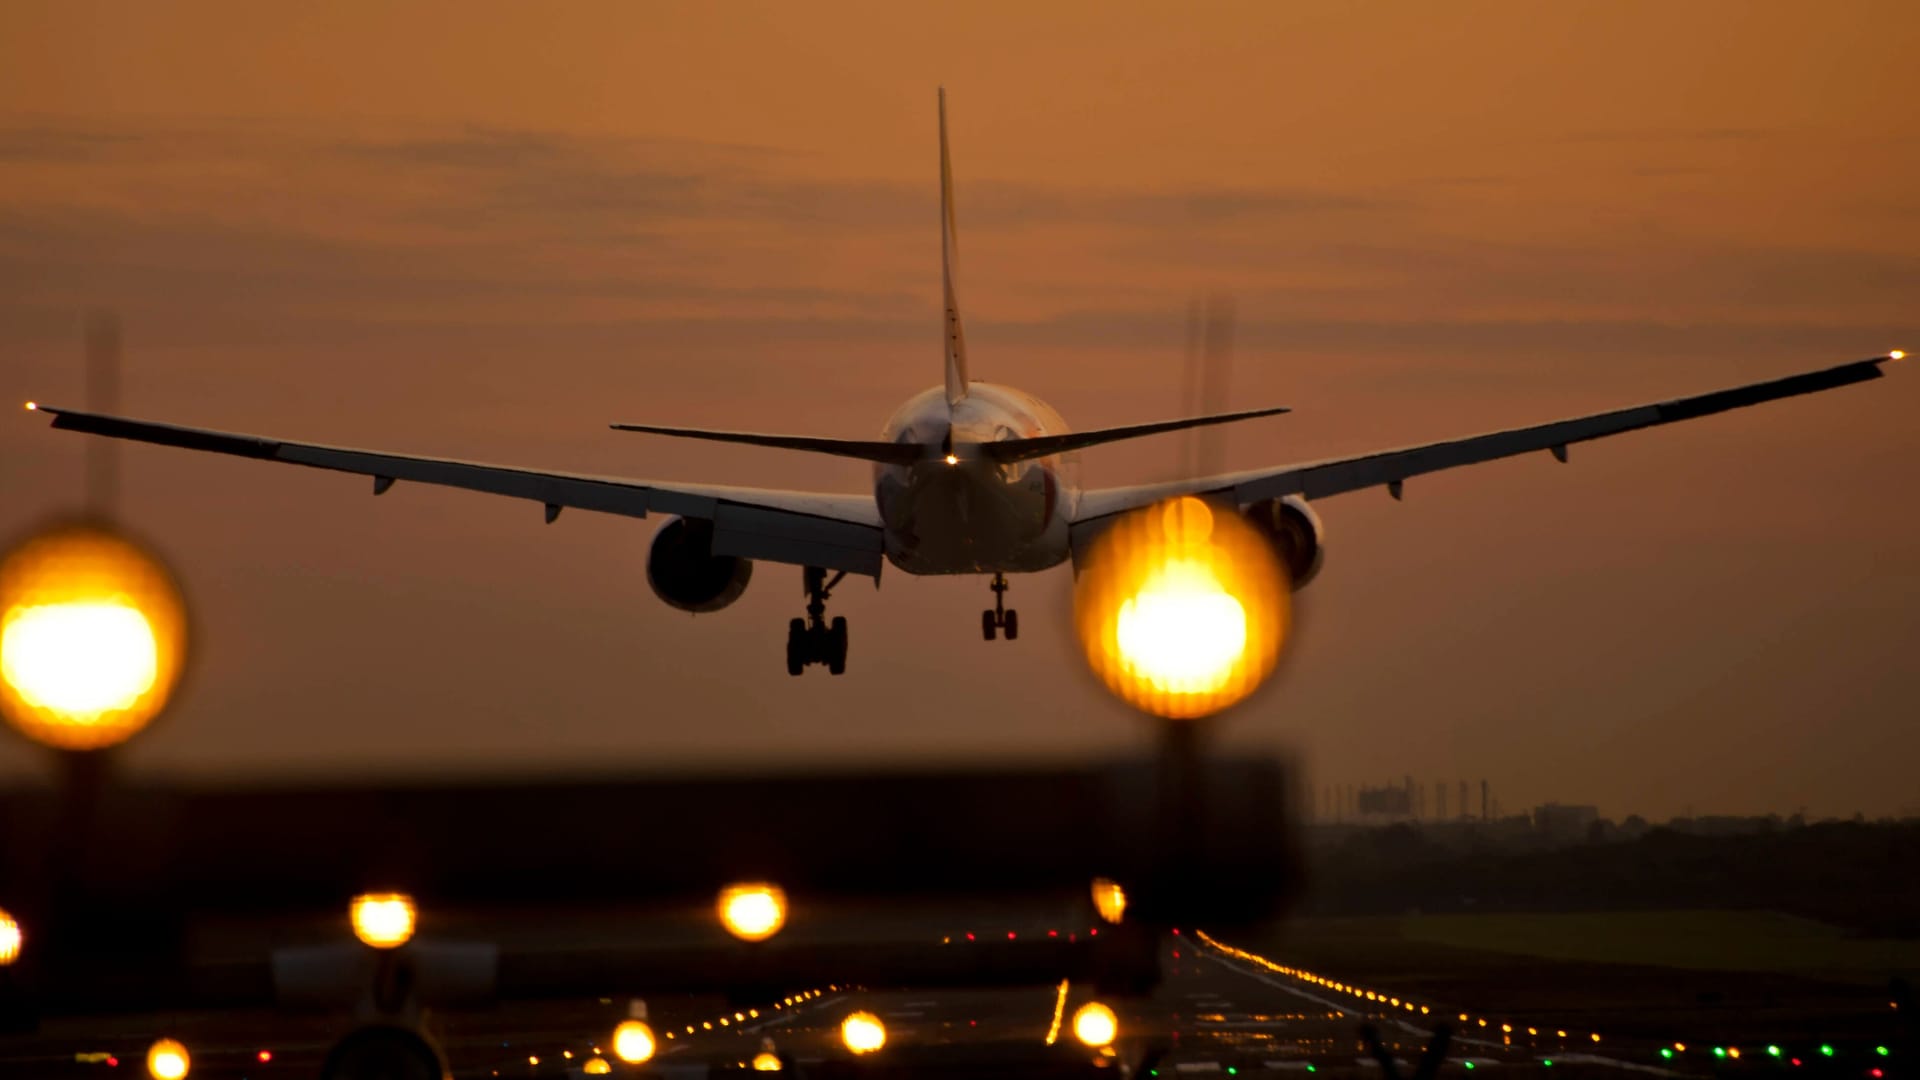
93	631
168	1060
596	1066
633	1042
863	1033
767	1061
953	459
1095	1025
1181	608
1109	899
383	920
10	938
753	911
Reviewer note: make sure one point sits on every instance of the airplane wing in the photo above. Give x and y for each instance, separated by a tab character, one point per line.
1392	467
838	532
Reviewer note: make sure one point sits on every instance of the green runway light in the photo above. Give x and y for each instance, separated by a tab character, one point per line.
1231	1071
1469	1064
1548	1062
1774	1050
1826	1049
1666	1052
1719	1051
1310	1068
1881	1050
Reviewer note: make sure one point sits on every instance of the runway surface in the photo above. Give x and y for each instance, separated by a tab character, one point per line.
1219	1011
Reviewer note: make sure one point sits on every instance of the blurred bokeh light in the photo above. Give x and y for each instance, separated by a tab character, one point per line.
863	1033
10	938
596	1066
1095	1025
753	911
383	920
767	1061
633	1042
93	632
1182	609
167	1060
1109	899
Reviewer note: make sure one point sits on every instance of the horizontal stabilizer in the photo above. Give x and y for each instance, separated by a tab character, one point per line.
1010	450
865	449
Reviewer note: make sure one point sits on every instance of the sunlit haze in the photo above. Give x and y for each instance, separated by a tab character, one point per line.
487	237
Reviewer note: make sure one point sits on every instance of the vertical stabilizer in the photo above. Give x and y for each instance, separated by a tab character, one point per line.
949	260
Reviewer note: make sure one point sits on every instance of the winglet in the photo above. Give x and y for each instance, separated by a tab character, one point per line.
956	338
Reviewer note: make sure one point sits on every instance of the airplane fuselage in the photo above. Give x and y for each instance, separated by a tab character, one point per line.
957	512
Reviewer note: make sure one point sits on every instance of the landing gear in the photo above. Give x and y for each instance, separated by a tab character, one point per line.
812	640
1001	618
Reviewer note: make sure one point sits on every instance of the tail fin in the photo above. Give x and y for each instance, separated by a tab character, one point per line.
949	260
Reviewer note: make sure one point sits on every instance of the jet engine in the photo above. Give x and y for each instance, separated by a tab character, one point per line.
685	572
1294	530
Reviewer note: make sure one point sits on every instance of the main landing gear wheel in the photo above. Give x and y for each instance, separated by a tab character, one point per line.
812	640
1000	617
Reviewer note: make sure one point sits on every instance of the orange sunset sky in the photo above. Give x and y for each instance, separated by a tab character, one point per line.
485	231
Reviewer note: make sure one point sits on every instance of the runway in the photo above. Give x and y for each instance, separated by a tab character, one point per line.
1220	1010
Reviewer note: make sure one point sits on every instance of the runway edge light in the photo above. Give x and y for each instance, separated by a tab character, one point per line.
383	920
752	911
863	1033
167	1059
633	1042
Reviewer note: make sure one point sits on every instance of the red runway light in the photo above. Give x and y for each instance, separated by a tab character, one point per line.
1053	933
265	1056
113	1063
969	937
1010	935
1093	932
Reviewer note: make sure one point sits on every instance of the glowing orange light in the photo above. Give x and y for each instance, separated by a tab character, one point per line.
10	938
953	459
596	1066
863	1033
1109	899
1181	610
753	911
1095	1025
1894	355
92	635
633	1042
383	920
168	1060
264	1056
31	406
766	1061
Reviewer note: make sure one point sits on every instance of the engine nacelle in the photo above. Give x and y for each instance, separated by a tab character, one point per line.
685	572
1294	530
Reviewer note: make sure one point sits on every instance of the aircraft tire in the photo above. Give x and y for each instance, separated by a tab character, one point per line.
796	646
837	646
986	625
1011	624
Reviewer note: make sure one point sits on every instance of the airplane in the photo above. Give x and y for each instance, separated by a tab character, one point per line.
968	478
